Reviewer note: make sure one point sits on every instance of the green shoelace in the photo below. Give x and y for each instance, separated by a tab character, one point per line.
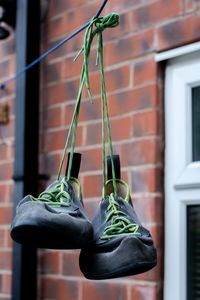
120	224
57	196
96	27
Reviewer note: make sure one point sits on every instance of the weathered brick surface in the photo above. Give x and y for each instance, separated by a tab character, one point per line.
144	292
135	103
50	262
7	68
58	289
102	290
70	263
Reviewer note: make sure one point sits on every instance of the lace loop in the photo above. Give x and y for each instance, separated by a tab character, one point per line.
120	224
101	23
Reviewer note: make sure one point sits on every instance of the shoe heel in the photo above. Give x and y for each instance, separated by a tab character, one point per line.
117	167
76	163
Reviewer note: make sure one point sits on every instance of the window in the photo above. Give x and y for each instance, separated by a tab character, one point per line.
182	178
193	252
196	123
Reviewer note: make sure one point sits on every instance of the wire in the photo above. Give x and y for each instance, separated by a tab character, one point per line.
51	50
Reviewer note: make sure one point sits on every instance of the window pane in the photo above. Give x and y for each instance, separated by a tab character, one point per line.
193	252
196	124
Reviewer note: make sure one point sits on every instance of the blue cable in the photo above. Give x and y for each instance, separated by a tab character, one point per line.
54	48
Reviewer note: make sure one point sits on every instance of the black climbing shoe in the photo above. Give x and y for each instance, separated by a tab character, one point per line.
121	245
56	219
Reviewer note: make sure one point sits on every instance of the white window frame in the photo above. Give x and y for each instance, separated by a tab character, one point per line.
182	176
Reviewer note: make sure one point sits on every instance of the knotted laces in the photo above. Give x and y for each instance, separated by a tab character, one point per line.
119	223
57	196
96	27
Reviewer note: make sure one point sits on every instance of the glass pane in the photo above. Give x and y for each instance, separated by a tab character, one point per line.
196	124
193	252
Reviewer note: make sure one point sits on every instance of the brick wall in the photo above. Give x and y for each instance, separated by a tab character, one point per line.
7	68
135	89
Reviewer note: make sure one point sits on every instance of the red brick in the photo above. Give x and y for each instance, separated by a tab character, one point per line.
90	206
72	89
53	72
2	238
57	27
149	209
178	32
159	11
9	241
52	117
146	123
51	163
90	111
92	186
145	71
147	180
101	290
5	260
92	160
141	152
86	12
119	5
55	289
115	79
58	6
55	140
133	100
10	193
93	134
119	31
190	5
10	102
70	264
8	47
144	292
72	47
157	232
3	193
72	68
7	67
121	128
68	113
7	280
74	18
5	215
50	262
55	94
7	131
129	47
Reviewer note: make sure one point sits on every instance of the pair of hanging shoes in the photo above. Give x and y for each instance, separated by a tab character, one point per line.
114	244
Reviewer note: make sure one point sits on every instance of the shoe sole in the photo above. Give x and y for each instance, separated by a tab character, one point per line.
117	263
